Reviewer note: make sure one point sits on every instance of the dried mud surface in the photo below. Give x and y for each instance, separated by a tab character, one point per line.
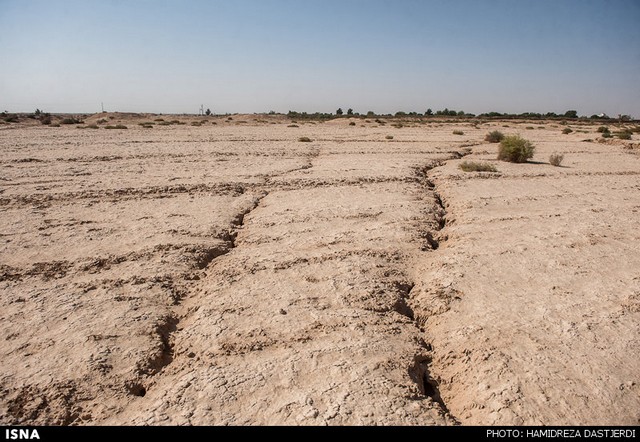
230	274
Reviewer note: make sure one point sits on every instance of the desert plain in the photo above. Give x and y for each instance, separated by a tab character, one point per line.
226	273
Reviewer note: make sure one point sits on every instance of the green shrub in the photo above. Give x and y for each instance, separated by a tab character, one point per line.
607	135
117	126
389	137
473	166
494	137
556	159
304	140
159	119
603	129
293	125
566	131
515	149
458	132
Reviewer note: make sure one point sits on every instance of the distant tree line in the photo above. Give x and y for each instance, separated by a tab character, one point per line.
570	114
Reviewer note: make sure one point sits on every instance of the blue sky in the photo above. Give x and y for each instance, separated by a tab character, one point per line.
305	55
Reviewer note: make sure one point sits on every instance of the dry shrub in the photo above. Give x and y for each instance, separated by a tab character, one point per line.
473	166
556	159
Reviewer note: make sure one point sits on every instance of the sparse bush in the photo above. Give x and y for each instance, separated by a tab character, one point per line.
117	126
196	123
352	123
566	131
304	140
530	128
458	132
159	119
164	123
515	149
45	119
101	121
55	125
607	135
494	137
556	159
623	135
293	125
473	166
71	121
389	137
603	129
92	126
11	118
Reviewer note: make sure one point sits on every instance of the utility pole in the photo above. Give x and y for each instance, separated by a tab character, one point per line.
102	105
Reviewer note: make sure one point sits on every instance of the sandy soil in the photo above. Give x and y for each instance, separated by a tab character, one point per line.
230	274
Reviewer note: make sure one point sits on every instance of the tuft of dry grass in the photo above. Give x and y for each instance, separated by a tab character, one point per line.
304	140
458	132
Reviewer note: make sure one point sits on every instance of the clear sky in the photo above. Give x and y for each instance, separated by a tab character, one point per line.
318	55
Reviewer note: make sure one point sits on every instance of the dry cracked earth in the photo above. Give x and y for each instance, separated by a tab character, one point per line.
229	274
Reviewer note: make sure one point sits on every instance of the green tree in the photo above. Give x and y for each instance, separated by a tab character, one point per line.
339	111
349	111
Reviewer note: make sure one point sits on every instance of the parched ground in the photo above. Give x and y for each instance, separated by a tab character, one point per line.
230	274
